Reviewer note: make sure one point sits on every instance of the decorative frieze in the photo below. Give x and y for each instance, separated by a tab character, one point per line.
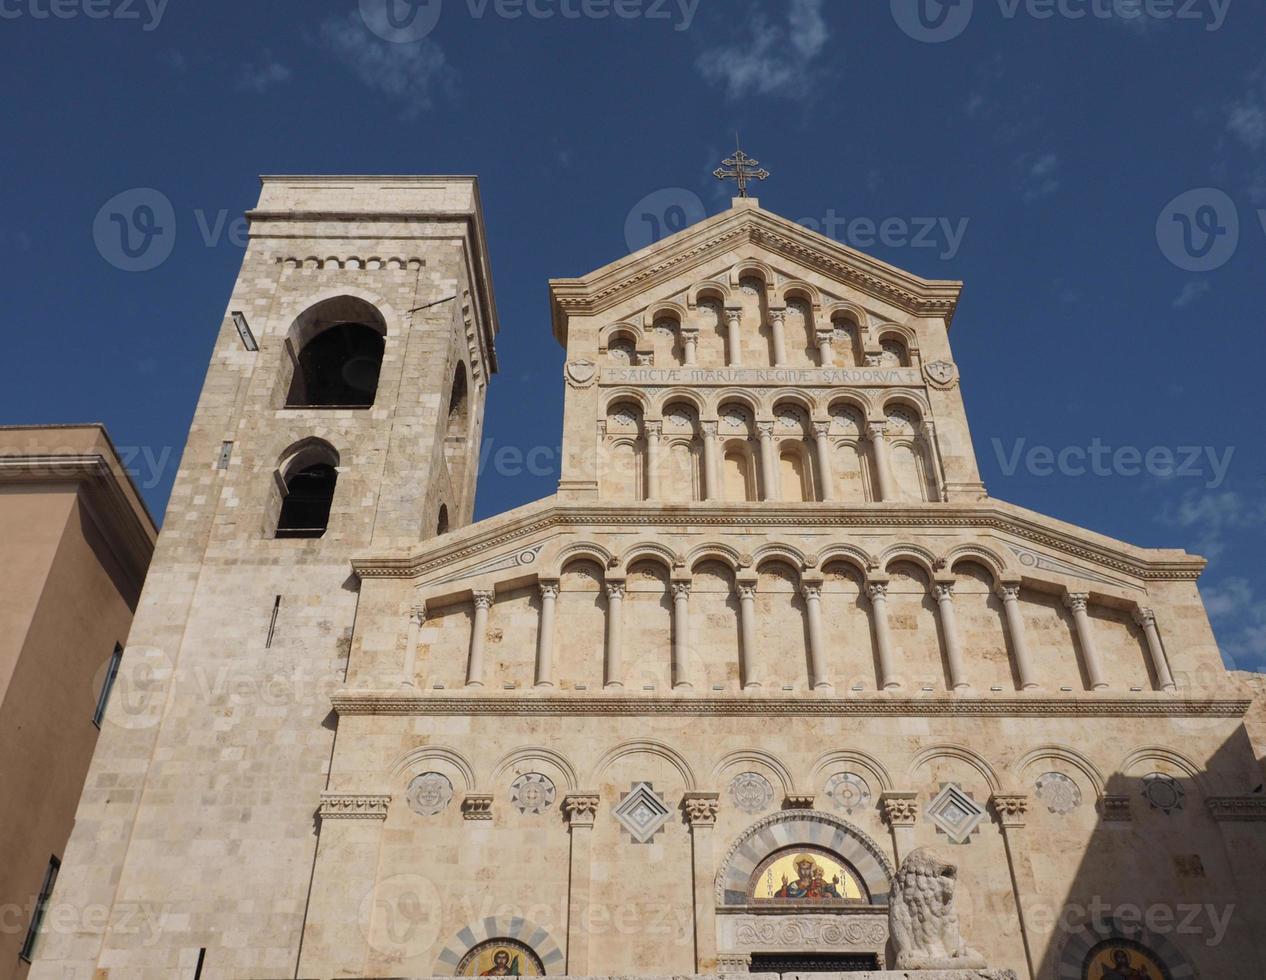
1237	807
351	806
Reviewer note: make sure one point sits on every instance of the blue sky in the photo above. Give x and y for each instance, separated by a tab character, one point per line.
1096	180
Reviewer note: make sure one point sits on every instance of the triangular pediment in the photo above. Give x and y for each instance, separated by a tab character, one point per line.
747	223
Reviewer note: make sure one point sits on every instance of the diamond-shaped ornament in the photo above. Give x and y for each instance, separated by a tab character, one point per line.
955	813
642	812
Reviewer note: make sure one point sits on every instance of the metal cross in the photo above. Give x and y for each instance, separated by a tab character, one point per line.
742	168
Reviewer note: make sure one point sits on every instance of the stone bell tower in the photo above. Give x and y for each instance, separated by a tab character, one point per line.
342	410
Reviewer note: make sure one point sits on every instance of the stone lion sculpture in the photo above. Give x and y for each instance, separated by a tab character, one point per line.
922	919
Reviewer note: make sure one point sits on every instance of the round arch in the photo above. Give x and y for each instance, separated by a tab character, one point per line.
960	753
537	754
479	931
645	747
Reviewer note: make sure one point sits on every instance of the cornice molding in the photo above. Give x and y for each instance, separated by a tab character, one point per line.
982	517
348	703
353	806
610	285
130	530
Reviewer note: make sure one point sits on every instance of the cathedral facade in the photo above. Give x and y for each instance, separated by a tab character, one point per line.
690	714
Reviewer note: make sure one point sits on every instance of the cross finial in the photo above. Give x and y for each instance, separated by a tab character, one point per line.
742	168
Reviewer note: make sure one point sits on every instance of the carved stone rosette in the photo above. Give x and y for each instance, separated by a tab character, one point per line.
350	806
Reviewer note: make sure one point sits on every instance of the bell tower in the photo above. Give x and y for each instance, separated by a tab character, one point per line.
341	412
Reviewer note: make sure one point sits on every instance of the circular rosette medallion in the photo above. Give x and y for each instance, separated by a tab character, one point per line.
430	794
848	791
532	793
751	792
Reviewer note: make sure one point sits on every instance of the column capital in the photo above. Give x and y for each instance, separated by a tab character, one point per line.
688	331
549	588
1076	601
709	427
765	429
778	314
825	335
944	591
1114	808
811	592
1008	592
616	590
417	615
900	809
653	428
1144	617
477	806
733	314
873	360
877	590
821	429
745	591
876	430
681	590
701	808
581	808
1011	808
798	801
483	598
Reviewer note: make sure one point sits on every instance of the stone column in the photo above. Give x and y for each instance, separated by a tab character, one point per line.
877	432
545	636
822	442
1010	809
1076	603
652	460
778	330
701	814
878	593
747	629
690	345
767	468
614	668
944	592
734	336
478	636
711	483
417	616
826	348
819	679
1146	620
681	635
900	809
1015	629
580	810
344	874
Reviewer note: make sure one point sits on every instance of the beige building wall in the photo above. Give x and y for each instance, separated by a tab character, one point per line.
77	541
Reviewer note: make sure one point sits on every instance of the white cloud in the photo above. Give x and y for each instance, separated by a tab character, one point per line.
1238	615
263	75
1246	115
1191	292
1040	173
409	73
773	59
1213	517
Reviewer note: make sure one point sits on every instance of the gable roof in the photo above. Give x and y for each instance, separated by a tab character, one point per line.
747	222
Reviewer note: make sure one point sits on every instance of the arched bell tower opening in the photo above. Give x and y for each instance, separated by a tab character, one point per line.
335	349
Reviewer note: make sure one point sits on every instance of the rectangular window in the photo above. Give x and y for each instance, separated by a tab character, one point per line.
103	696
41	905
